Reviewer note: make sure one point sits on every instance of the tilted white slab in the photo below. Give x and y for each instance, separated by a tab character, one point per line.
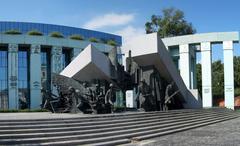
89	64
150	50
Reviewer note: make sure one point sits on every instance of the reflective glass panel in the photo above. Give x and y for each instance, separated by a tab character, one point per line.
46	68
23	79
3	79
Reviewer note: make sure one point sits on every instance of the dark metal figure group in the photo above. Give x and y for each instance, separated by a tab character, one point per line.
146	99
153	91
89	100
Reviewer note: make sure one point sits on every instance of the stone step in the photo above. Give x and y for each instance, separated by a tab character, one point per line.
94	141
167	122
93	125
145	137
111	133
181	129
90	118
107	129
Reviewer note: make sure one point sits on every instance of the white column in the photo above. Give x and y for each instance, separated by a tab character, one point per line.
13	76
56	59
193	74
192	64
184	63
35	77
206	61
75	52
228	74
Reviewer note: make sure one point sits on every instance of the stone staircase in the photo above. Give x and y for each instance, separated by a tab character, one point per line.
109	129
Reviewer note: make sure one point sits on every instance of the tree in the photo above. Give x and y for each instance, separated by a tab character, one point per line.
199	77
217	80
236	61
172	23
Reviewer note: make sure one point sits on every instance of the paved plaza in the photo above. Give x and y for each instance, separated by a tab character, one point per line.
121	128
49	115
221	134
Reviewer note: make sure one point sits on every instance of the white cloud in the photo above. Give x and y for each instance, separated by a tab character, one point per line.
130	32
112	19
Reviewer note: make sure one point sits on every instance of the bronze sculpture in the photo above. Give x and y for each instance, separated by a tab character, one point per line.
98	95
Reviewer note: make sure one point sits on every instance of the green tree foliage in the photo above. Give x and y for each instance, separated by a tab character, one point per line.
218	78
199	77
171	23
237	75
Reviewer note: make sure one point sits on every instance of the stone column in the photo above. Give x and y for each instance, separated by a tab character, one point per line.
184	63
75	52
193	67
228	74
35	77
206	61
13	76
56	59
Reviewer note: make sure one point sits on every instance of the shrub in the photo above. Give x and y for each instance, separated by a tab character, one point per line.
77	37
111	42
13	32
93	40
56	35
35	32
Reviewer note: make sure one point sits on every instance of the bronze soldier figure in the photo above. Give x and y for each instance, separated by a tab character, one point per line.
144	96
110	98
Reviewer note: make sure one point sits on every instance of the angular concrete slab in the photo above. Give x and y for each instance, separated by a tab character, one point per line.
89	64
150	50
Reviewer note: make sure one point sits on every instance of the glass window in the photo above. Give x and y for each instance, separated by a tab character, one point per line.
46	68
46	29
23	79
66	57
3	79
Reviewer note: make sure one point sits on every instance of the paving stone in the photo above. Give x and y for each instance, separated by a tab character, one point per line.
221	134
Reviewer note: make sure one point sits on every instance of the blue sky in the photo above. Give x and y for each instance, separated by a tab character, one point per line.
124	17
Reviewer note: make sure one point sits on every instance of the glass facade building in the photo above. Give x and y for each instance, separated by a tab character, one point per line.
23	78
26	61
46	29
3	78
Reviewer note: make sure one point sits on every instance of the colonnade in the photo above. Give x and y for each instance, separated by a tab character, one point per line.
186	54
34	72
